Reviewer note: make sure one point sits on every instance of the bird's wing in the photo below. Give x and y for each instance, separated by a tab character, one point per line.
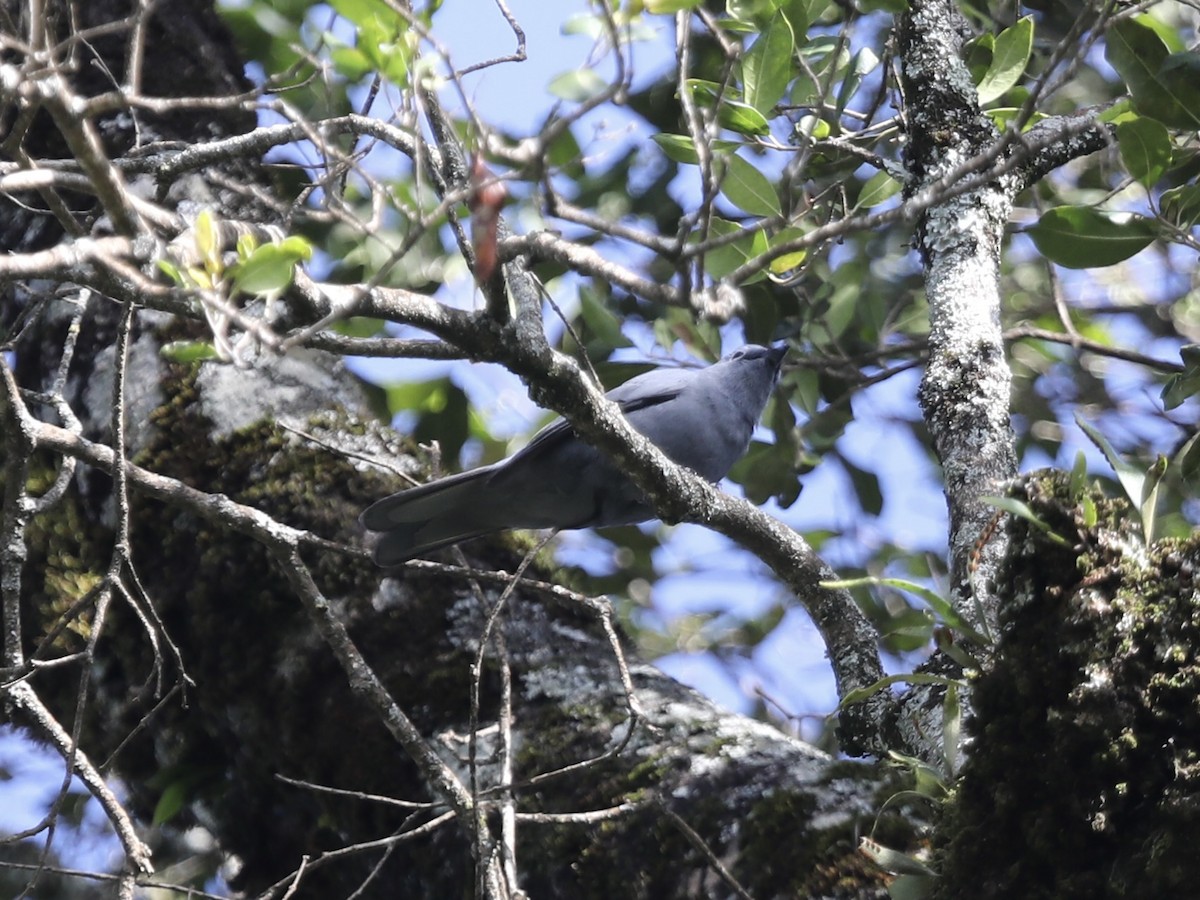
642	391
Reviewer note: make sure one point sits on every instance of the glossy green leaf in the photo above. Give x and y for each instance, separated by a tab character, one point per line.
749	189
732	113
767	65
951	728
1080	237
1145	149
801	14
742	118
682	149
879	187
269	269
1009	59
788	262
1163	85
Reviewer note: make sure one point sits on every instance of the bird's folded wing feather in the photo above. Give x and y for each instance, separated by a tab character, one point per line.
642	391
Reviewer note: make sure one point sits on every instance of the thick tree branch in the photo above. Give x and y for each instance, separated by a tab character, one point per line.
965	390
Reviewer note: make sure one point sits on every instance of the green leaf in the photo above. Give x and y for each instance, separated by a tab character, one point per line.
188	351
732	113
1187	460
801	14
1148	504
879	187
811	128
1145	149
443	413
577	86
601	321
1140	487
682	149
678	147
246	244
365	12
742	118
170	270
351	63
1186	384
749	189
1079	474
1009	59
667	7
1004	116
1163	85
788	262
860	694
767	66
765	472
1023	510
951	728
720	261
1080	237
359	326
269	268
941	607
170	802
208	240
1181	205
863	64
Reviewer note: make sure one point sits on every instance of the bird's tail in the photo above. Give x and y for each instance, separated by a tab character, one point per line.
433	515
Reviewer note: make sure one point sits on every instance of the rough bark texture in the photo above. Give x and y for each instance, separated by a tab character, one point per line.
965	390
1084	781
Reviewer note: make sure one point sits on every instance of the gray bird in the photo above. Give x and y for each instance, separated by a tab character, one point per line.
700	418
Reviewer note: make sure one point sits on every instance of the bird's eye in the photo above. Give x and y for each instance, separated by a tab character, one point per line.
738	354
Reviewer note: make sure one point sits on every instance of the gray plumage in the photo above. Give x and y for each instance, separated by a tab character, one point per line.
700	418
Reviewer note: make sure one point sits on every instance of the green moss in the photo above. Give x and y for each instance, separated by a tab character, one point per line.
1074	787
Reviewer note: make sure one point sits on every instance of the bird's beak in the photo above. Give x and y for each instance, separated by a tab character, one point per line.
776	355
